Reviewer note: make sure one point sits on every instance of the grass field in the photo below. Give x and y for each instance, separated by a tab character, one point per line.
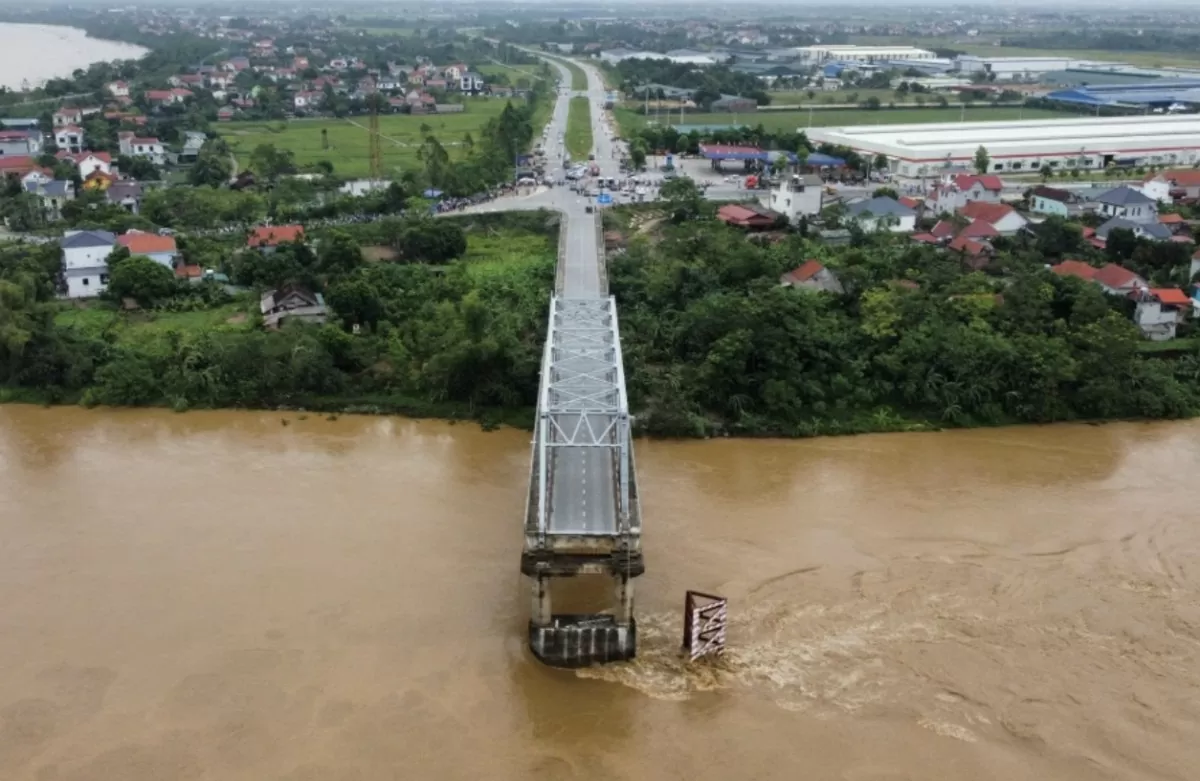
512	72
800	97
402	135
140	328
792	120
492	255
579	129
985	48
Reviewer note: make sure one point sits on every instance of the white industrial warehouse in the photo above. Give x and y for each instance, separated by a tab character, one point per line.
1025	145
846	52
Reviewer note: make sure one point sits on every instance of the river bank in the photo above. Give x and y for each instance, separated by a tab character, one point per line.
30	54
1005	605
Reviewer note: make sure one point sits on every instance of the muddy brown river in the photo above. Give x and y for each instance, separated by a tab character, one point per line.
220	596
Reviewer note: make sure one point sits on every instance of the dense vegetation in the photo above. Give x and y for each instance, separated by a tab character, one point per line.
708	83
453	327
714	344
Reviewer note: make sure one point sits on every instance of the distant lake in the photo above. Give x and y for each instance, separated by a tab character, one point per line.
37	52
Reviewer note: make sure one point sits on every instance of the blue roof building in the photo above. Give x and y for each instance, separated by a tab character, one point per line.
1152	94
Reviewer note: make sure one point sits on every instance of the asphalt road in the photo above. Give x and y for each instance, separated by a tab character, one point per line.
583	498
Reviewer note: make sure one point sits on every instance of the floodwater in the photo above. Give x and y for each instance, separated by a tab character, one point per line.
217	595
32	53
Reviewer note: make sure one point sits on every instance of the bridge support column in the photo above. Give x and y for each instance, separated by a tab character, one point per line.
541	615
624	599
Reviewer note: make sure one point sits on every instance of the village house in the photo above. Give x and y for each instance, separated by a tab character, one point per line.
52	196
307	101
160	249
225	114
1159	311
267	238
882	213
1115	280
89	162
183	80
220	80
1153	231
975	253
17	165
37	176
67	116
292	302
1126	203
127	194
149	148
750	216
167	97
1053	201
455	72
1005	219
69	138
85	262
812	275
193	142
1180	183
472	82
118	89
21	142
799	196
956	192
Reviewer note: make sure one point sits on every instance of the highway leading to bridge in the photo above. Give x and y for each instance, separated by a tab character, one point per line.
583	516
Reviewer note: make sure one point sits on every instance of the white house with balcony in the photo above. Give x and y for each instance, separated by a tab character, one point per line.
799	196
69	138
1159	311
149	148
85	262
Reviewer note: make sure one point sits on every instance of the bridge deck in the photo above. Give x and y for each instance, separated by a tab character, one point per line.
583	417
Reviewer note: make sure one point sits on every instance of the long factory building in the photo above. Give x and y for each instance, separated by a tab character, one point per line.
1025	145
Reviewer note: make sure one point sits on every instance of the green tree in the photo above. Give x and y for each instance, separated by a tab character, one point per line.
272	163
1120	243
339	254
424	239
683	199
982	160
356	301
637	154
212	167
140	278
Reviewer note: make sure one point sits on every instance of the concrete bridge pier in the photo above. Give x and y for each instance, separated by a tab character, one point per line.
575	640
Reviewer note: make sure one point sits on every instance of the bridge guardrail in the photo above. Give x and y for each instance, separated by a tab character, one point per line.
602	254
560	269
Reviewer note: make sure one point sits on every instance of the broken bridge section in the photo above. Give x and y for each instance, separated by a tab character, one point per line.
583	515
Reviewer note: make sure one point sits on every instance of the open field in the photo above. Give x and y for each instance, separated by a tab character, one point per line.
492	255
985	48
402	135
579	129
792	120
511	72
800	97
138	328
